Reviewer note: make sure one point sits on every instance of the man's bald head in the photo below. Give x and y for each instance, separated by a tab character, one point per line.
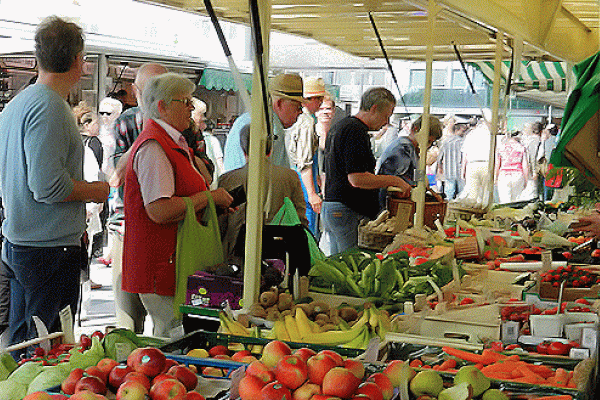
144	73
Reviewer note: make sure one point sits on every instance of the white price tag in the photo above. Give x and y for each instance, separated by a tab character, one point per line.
66	323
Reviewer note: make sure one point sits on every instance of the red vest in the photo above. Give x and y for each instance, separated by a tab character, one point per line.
149	248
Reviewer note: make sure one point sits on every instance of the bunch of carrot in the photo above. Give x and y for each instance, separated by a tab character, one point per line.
502	367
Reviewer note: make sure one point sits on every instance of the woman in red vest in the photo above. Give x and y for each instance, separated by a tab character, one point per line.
161	171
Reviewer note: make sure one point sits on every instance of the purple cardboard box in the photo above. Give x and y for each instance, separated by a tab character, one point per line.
209	290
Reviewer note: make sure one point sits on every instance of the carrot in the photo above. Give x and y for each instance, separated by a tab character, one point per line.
479	366
436	367
542	370
527	373
507	367
560	378
491	356
448	364
465	355
502	376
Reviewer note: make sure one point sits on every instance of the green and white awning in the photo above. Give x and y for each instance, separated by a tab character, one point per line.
540	75
218	79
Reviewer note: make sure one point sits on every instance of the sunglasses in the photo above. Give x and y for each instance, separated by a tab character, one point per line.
104	113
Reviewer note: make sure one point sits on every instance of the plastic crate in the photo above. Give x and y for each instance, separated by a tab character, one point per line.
201	339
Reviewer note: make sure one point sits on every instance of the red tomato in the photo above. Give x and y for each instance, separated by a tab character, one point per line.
583	301
512	347
567	255
596	253
558	348
542	348
466	300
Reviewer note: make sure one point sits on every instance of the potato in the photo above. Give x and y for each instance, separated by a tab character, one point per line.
285	301
319	307
257	310
348	313
267	299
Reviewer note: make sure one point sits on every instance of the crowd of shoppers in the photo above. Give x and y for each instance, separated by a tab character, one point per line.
54	179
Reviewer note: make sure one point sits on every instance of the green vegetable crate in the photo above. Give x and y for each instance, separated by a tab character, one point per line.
201	339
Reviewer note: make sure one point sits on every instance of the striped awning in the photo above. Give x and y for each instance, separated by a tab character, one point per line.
218	79
540	75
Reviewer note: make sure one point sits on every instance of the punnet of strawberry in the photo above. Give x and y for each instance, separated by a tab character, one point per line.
573	277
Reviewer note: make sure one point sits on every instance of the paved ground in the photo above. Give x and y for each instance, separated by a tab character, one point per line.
98	305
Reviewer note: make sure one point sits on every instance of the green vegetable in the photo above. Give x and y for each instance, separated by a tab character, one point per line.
25	373
88	358
13	390
119	343
49	377
7	365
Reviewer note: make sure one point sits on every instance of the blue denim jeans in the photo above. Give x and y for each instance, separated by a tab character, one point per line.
452	188
43	281
342	224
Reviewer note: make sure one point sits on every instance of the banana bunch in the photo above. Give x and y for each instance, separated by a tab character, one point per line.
232	327
299	328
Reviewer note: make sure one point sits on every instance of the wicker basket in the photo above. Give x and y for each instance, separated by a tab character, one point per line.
433	209
367	239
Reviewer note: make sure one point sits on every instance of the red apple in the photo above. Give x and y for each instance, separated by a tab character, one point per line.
222	357
106	365
249	387
212	371
394	371
132	390
261	371
38	396
248	359
98	334
336	357
97	372
384	383
185	376
371	390
356	367
147	360
306	391
169	389
193	396
275	391
324	397
85	395
239	355
62	396
161	377
318	365
169	363
360	396
273	352
91	383
138	377
291	371
85	341
117	375
304	353
340	382
218	349
68	385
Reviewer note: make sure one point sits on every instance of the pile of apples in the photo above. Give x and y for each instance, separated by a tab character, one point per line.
148	374
308	375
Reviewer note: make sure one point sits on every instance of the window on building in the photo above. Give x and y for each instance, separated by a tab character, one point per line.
459	80
439	78
417	78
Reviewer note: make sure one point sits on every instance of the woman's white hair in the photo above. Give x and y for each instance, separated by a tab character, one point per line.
164	88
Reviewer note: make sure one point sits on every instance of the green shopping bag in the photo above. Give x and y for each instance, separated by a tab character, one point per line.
198	246
287	216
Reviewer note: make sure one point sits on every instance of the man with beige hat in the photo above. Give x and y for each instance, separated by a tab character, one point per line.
286	94
302	144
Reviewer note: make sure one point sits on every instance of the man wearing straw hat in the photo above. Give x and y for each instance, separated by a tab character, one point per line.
286	94
302	147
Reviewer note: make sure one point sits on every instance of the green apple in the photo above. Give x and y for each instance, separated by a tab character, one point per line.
426	382
471	374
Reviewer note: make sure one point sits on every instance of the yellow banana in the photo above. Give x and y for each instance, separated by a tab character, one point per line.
302	322
233	326
359	341
385	325
280	330
373	317
314	327
292	328
335	337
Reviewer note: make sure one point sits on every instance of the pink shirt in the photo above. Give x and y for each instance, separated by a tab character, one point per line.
511	156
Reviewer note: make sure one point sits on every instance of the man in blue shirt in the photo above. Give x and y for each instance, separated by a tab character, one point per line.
43	191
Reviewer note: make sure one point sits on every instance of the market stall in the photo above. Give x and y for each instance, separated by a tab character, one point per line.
443	311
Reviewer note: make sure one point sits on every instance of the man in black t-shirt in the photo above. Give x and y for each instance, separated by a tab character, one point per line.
351	186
